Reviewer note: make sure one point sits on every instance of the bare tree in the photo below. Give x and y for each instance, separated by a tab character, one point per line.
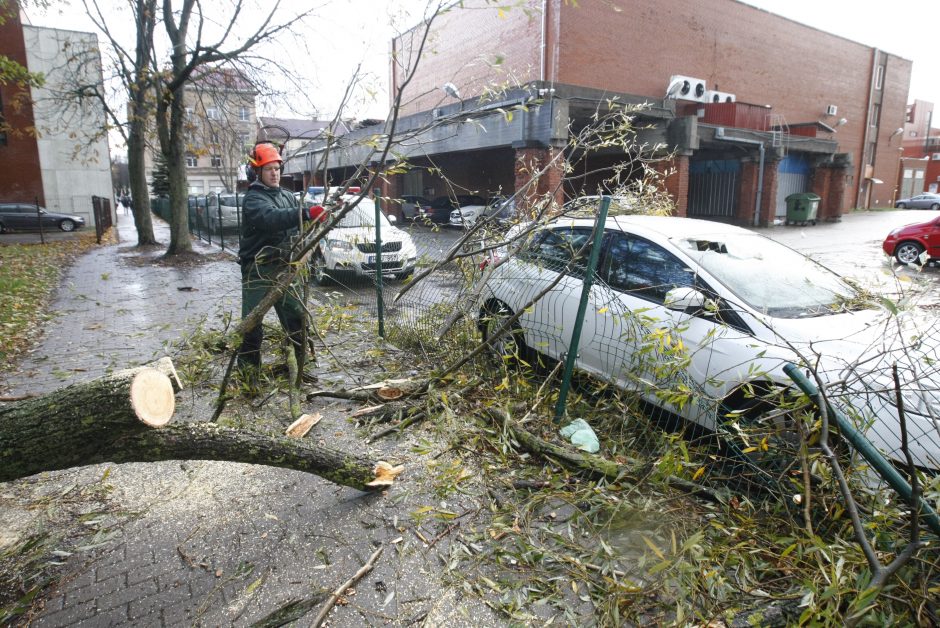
186	57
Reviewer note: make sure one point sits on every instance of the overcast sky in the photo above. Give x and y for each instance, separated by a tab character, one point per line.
344	34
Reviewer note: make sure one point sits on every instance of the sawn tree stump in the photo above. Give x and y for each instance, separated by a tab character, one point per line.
125	417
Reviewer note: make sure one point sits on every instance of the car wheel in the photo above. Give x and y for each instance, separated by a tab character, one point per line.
67	225
2	228
509	345
320	275
935	206
901	206
908	252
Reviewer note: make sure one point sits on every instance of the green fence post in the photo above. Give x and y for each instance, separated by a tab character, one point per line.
380	305
884	468
582	308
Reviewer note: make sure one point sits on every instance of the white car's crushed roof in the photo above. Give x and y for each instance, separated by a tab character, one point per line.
664	226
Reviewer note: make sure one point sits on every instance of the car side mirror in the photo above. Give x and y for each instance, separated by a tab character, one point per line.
684	298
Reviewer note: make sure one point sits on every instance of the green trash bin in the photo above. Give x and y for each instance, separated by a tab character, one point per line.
802	208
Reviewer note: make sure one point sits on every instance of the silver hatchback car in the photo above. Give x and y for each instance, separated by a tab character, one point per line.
921	201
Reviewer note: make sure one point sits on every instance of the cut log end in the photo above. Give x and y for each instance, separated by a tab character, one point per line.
385	474
152	397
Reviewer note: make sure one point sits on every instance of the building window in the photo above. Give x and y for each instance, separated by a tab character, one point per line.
213	113
243	114
875	114
215	139
191	160
879	76
244	140
216	161
189	113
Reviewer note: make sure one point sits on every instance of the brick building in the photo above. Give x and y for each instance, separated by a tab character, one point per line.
920	161
52	150
768	101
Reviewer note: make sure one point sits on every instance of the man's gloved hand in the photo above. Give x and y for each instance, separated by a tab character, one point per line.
316	212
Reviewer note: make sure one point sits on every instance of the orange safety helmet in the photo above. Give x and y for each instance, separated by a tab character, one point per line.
264	154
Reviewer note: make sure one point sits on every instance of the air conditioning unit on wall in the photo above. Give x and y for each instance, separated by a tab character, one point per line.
831	110
686	88
711	96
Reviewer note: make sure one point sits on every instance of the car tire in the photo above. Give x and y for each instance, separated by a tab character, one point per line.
510	345
320	275
908	252
2	228
67	225
935	206
901	206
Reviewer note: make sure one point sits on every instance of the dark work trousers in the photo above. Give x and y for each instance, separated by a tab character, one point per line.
257	280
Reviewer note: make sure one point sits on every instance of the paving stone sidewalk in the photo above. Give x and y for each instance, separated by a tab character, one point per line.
209	543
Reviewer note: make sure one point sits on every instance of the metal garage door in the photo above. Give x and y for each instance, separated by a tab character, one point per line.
792	177
713	188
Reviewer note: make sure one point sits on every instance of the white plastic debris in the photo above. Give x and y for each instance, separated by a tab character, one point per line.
580	434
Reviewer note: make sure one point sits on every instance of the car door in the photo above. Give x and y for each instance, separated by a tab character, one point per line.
636	341
26	217
548	323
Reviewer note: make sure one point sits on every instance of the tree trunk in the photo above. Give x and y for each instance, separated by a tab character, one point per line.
207	441
71	426
125	418
139	194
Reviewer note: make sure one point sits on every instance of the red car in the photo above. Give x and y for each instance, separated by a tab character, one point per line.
907	244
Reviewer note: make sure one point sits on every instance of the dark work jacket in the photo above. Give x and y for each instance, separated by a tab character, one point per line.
269	220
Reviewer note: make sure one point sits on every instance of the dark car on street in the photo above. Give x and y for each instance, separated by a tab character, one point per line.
441	207
907	244
414	206
921	201
25	217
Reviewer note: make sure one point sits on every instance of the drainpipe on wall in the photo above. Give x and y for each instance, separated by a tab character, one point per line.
720	135
542	44
871	96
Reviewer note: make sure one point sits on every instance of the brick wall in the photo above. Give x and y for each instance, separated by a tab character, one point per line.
20	173
477	47
635	46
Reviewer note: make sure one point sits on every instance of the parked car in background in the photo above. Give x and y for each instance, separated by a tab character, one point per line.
918	243
227	214
349	248
921	201
25	217
441	207
414	206
741	305
499	208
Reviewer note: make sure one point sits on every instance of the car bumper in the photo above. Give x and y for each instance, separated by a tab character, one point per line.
889	245
363	265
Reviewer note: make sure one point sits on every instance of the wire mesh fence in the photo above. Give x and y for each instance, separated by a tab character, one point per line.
689	329
693	357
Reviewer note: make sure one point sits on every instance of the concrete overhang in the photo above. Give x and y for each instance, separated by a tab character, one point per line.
538	114
781	142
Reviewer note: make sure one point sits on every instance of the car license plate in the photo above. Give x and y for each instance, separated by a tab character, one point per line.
386	257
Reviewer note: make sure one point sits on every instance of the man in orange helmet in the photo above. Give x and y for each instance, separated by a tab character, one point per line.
270	219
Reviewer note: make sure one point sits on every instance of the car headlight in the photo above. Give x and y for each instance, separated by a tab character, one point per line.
339	245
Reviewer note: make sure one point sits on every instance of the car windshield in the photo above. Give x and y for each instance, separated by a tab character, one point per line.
363	215
770	277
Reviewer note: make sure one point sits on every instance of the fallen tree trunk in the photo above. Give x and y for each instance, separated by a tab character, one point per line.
125	417
208	441
69	427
